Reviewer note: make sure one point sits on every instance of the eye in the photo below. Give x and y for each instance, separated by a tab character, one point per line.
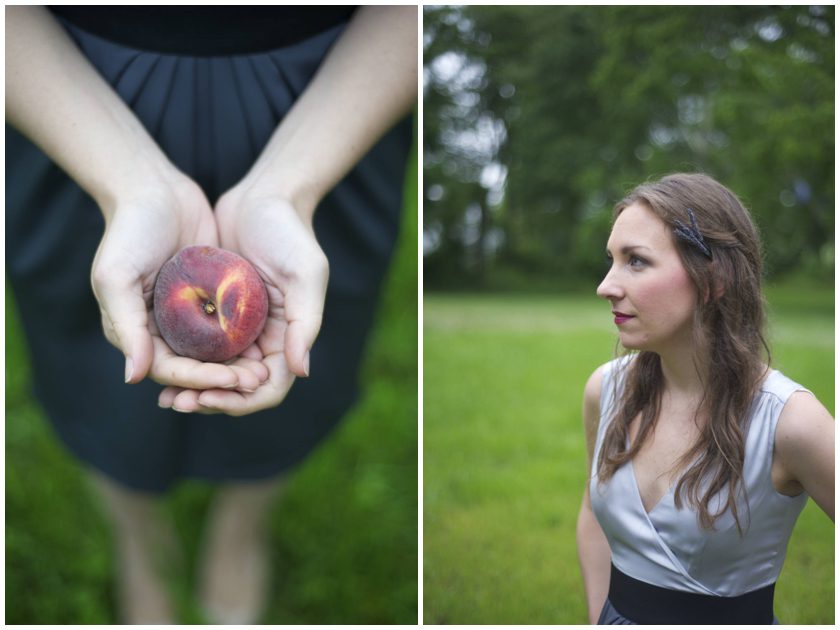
636	262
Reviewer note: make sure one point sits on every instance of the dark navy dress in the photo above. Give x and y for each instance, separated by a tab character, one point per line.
212	115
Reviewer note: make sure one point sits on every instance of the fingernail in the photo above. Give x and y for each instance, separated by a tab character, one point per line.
180	410
129	369
231	386
306	363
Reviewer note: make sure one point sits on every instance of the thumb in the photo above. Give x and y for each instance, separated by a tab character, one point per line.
125	320
300	336
304	314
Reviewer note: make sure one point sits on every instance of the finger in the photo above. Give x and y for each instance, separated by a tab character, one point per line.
240	403
182	400
248	381
300	336
267	395
167	396
227	402
170	369
304	313
186	401
253	352
256	367
125	317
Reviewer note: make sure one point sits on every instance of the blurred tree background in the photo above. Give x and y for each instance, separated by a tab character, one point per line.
538	119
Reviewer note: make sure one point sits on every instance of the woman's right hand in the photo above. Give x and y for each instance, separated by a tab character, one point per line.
146	225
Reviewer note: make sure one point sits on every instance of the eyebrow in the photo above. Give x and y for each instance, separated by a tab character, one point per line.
629	248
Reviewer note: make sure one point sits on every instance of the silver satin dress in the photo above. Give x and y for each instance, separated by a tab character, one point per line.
667	547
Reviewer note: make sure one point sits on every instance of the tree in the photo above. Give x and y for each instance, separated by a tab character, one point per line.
571	106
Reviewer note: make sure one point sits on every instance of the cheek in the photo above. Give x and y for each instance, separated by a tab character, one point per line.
669	297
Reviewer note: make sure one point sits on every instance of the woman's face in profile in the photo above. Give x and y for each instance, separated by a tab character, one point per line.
652	295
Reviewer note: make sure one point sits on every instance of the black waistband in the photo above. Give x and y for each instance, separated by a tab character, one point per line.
205	30
644	603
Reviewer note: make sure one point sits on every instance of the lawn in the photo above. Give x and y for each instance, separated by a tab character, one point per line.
504	455
344	537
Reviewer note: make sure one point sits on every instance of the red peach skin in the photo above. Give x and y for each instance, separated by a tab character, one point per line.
210	304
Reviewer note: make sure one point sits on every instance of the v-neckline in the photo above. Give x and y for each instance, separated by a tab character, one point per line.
639	491
638	487
668	492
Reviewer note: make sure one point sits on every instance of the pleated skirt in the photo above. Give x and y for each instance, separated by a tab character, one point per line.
611	617
212	116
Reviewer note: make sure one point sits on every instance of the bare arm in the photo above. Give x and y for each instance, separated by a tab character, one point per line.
366	84
805	450
56	98
593	549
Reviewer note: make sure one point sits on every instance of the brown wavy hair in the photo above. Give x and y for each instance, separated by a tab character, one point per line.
727	332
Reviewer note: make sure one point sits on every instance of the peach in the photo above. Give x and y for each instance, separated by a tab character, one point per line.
210	304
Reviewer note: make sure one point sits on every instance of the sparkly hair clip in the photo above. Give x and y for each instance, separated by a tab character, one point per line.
692	234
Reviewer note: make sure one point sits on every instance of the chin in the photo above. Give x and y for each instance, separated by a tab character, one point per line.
629	343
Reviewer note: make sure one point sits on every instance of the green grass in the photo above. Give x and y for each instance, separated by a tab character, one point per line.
504	456
344	537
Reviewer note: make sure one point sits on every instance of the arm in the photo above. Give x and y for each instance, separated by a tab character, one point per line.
367	82
804	450
593	550
58	100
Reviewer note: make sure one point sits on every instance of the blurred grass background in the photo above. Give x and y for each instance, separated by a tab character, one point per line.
505	459
344	535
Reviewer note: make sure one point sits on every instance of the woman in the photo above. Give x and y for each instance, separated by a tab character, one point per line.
701	456
141	130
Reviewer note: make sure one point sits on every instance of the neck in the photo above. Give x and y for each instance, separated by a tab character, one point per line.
681	375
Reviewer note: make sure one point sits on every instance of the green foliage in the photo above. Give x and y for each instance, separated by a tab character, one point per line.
344	537
505	459
587	102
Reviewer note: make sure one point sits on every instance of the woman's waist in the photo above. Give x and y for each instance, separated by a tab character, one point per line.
646	603
205	31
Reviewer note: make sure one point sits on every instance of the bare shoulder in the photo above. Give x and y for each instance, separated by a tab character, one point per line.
592	389
592	405
804	445
803	424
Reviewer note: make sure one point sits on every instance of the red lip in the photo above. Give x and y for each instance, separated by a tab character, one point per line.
620	318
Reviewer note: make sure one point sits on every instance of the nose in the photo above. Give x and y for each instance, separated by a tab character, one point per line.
610	289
